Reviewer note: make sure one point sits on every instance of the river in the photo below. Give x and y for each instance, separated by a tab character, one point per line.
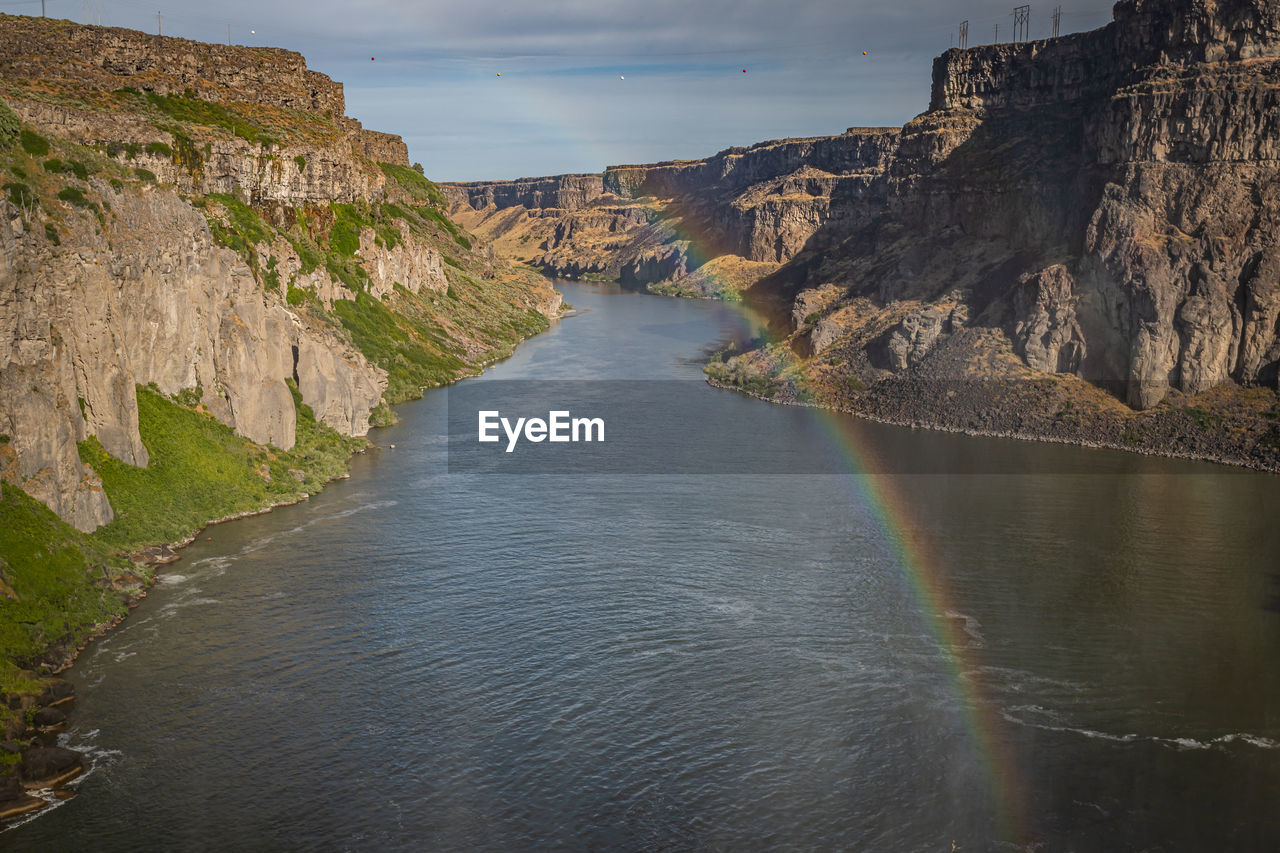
1072	649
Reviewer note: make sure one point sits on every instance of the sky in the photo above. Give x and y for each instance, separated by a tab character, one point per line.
485	89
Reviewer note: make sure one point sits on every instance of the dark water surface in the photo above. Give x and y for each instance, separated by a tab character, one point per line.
418	659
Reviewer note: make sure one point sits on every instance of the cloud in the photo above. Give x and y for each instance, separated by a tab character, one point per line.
559	105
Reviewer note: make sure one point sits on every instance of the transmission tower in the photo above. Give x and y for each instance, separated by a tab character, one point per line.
1021	23
1057	20
964	35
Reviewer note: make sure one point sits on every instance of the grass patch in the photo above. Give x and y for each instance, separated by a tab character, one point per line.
51	234
1203	418
201	470
243	230
412	353
10	126
33	143
76	196
190	109
301	162
344	236
415	184
57	574
437	216
21	195
145	175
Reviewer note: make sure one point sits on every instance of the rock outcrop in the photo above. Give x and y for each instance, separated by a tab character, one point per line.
224	206
659	223
79	330
1100	207
1113	189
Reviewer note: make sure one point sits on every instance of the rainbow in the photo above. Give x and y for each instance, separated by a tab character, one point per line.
926	574
923	568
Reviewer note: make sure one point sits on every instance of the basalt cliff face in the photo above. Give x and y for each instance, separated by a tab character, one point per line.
1091	218
206	221
693	227
212	282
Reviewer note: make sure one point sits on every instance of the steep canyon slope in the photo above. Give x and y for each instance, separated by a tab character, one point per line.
212	282
1077	241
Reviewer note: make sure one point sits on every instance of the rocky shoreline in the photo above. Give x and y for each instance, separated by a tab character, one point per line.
1017	435
45	766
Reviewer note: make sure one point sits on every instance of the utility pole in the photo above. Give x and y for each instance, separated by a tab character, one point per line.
1021	23
42	8
997	33
159	25
228	35
964	35
1057	20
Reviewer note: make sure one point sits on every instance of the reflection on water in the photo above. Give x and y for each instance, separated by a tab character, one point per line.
423	660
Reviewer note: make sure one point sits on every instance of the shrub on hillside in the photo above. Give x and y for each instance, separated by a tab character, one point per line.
9	127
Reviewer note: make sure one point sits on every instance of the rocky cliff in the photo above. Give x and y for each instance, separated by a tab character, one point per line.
194	218
212	282
659	224
1096	213
1111	194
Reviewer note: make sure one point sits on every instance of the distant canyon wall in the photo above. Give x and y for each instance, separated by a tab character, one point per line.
1106	201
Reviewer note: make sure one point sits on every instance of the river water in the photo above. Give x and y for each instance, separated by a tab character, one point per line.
1073	650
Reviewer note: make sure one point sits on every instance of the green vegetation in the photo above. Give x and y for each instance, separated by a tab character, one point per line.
21	195
51	234
53	582
437	216
1203	419
145	175
76	196
243	229
350	220
55	165
10	126
190	109
33	143
301	161
344	237
128	149
159	149
200	470
414	356
414	183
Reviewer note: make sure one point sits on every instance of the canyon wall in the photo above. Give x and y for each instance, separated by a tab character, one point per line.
193	244
1104	203
651	223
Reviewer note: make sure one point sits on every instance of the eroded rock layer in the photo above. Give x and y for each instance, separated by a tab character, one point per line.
1099	207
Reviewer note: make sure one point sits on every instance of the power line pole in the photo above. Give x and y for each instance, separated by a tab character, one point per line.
1021	23
228	35
159	25
964	35
997	33
42	8
1057	20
